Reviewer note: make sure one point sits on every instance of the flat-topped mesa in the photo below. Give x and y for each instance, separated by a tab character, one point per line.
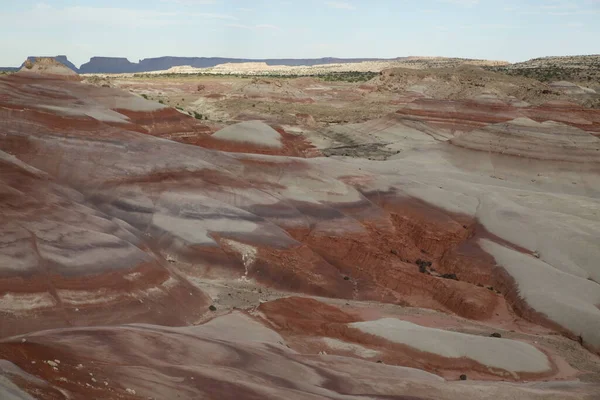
48	67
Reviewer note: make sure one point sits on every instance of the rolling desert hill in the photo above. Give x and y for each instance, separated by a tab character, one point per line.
416	236
576	70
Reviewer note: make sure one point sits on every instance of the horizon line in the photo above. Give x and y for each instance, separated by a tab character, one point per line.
311	58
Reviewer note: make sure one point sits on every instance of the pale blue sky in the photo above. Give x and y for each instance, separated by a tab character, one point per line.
510	30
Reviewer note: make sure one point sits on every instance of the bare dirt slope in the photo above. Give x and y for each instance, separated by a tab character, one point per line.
467	82
333	99
573	73
144	256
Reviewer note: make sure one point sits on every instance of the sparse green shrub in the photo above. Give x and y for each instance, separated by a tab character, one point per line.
351	76
197	115
144	95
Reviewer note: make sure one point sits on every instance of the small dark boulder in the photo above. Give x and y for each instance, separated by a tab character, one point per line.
450	276
423	265
496	335
212	308
463	377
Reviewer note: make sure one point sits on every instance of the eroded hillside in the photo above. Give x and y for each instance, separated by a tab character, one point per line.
449	252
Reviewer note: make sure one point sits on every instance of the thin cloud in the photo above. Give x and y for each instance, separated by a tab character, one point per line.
210	15
463	3
45	14
266	26
490	26
575	12
340	5
190	2
561	8
103	15
254	27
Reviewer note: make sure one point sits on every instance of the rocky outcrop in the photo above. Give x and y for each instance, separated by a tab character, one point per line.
61	59
47	67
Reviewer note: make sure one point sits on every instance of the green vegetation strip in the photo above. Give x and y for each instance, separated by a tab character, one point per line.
350	76
553	73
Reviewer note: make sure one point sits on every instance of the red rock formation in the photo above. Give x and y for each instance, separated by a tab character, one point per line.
461	116
292	145
568	113
105	224
468	115
301	320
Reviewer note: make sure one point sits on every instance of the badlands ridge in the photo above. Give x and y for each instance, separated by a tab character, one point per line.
445	250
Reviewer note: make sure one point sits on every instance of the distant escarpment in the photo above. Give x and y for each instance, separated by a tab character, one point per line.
122	65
